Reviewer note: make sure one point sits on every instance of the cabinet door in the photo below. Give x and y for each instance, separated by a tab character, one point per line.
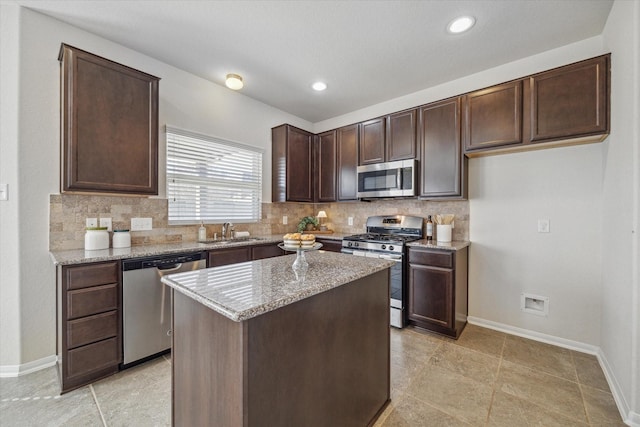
441	160
265	251
493	116
431	295
109	125
348	163
330	245
401	136
372	135
326	166
220	257
570	101
299	165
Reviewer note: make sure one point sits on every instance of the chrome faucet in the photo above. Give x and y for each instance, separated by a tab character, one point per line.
227	227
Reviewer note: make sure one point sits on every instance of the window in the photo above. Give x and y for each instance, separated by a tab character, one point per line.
212	180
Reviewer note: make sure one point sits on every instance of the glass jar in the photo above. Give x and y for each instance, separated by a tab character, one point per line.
96	238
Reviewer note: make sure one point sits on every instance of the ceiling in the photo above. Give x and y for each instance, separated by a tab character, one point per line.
366	51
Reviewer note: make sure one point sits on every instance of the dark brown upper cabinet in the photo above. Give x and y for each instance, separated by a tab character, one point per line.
493	116
326	160
109	125
565	106
401	136
442	165
372	141
347	163
388	138
569	102
292	164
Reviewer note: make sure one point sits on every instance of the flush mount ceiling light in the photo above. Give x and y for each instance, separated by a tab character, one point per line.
461	24
319	86
234	81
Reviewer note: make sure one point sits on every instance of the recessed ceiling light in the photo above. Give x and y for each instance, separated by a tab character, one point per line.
234	81
461	24
319	86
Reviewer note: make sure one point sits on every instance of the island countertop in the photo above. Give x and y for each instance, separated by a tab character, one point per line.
245	290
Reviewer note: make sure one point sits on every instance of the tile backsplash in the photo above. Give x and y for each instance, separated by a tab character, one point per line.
68	213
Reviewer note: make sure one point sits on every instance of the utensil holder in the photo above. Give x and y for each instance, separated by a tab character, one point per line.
443	232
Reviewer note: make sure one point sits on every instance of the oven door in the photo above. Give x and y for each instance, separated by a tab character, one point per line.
395	284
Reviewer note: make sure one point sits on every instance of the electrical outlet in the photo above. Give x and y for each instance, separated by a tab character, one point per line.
285	220
543	226
4	191
141	224
106	222
350	220
92	222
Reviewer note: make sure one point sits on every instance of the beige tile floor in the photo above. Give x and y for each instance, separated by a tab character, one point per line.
485	378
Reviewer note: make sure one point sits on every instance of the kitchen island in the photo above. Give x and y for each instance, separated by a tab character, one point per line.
255	344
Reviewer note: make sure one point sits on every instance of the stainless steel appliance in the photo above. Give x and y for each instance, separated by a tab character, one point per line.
388	179
147	303
386	237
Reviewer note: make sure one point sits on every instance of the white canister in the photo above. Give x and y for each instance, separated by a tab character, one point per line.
121	239
96	238
443	232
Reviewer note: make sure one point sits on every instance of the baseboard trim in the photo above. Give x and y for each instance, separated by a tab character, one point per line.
629	417
8	371
536	336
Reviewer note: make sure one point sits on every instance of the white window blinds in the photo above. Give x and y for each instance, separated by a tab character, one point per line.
212	180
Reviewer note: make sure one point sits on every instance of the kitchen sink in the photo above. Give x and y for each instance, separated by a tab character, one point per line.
236	240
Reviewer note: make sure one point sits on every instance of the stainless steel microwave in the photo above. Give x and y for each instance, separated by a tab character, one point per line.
389	179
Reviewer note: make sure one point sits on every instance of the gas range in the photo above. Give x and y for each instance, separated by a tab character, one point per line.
386	234
377	242
385	238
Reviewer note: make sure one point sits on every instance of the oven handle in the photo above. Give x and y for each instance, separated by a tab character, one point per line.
396	258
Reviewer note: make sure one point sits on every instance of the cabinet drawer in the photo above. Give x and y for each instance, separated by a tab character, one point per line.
91	329
432	258
92	357
87	301
84	276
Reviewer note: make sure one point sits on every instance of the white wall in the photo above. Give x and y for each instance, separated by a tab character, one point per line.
508	194
30	140
9	265
620	338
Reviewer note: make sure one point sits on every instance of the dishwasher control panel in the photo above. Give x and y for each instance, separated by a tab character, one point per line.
161	261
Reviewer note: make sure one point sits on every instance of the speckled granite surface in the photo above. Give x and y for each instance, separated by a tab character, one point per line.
245	290
455	245
80	256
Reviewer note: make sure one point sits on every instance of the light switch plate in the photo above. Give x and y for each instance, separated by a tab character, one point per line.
285	220
141	224
106	222
543	226
350	220
4	192
92	222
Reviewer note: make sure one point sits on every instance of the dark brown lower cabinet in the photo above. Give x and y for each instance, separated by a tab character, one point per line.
438	290
228	256
89	328
265	251
330	245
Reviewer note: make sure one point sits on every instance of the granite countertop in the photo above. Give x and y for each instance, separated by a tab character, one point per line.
80	256
455	245
246	290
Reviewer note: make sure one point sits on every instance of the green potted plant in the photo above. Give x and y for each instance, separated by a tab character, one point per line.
308	223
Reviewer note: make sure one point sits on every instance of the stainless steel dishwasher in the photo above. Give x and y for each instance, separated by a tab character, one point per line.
147	303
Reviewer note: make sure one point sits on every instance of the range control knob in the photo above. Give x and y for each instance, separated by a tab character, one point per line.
349	244
383	247
390	248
